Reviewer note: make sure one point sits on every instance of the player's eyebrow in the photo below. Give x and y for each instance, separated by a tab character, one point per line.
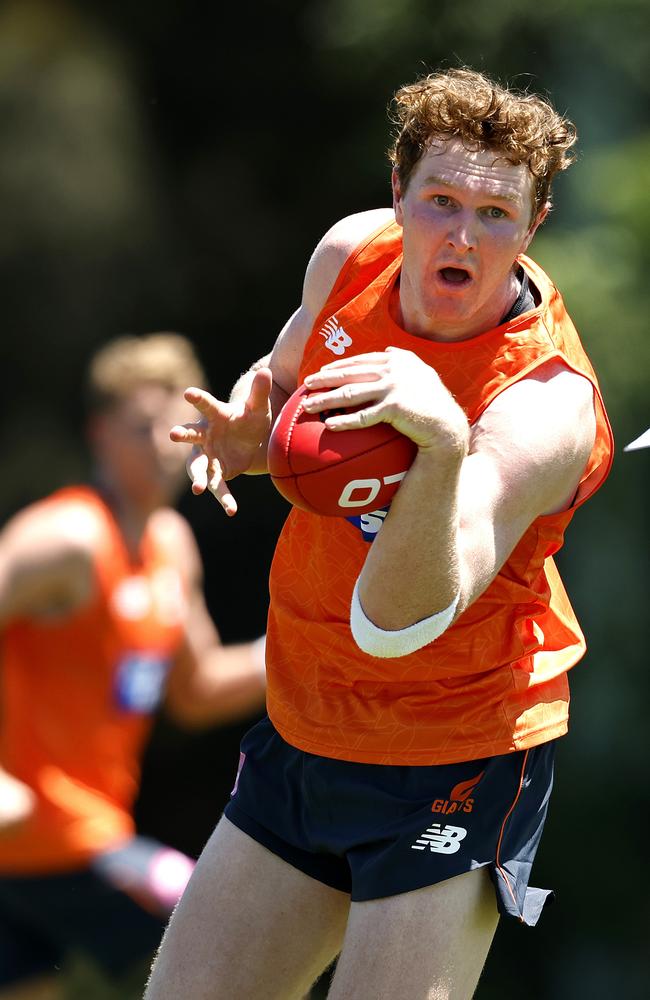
441	182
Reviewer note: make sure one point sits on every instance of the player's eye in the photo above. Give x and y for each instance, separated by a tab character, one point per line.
442	200
494	212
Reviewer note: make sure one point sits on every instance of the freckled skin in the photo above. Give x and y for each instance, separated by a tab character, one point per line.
461	209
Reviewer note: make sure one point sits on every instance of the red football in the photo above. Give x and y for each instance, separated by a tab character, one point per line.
335	473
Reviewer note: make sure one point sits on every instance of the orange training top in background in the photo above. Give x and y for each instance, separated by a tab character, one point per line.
78	695
496	680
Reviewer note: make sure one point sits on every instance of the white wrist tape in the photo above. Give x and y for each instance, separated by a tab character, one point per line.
400	642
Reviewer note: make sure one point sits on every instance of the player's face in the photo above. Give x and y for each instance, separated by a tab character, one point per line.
465	218
132	445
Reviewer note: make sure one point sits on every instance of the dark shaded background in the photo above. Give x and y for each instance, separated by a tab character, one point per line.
171	166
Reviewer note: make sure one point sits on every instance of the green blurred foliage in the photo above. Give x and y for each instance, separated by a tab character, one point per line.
172	166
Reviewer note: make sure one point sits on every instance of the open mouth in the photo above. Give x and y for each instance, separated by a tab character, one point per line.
455	275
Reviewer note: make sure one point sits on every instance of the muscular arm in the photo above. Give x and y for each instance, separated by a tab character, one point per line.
233	437
470	494
45	572
45	562
461	513
284	360
210	682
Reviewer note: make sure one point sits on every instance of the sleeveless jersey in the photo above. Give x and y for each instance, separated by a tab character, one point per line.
78	695
495	681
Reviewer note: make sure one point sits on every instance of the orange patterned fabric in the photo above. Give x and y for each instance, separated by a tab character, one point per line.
77	696
496	680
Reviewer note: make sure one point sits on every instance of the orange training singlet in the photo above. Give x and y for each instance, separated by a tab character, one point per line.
495	681
78	695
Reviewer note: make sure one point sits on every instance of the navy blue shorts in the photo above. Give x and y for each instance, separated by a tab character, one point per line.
113	911
375	830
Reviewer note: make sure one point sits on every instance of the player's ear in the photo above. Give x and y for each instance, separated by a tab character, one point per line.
535	224
397	196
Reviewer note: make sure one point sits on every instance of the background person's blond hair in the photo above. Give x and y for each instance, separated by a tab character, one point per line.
166	359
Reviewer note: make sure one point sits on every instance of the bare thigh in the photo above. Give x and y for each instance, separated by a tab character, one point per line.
430	944
248	925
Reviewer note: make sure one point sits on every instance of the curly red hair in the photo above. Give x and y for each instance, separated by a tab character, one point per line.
466	105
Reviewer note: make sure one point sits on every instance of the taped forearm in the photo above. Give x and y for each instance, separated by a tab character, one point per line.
399	642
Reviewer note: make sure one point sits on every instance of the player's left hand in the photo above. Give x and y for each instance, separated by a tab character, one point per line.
392	386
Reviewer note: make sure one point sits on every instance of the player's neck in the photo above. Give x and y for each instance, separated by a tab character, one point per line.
415	318
132	514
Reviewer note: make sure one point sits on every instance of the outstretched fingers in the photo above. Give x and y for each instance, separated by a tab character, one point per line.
208	405
210	408
219	487
226	437
192	433
197	470
206	474
260	390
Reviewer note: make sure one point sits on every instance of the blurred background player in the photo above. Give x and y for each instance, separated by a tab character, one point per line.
103	616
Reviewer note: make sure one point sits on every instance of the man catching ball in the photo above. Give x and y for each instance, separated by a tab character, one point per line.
390	806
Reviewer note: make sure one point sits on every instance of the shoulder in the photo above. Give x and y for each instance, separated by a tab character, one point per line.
48	553
553	391
348	232
323	269
59	523
335	247
345	235
541	429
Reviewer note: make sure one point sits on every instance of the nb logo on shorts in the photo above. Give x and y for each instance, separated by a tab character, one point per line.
441	841
336	339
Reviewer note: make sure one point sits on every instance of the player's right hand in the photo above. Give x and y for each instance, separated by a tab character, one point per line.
227	438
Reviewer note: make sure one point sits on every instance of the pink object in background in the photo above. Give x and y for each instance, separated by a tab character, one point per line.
153	874
169	872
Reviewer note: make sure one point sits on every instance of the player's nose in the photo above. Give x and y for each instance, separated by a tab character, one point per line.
462	232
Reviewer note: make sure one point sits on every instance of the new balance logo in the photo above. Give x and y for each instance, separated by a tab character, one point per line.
336	339
441	841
